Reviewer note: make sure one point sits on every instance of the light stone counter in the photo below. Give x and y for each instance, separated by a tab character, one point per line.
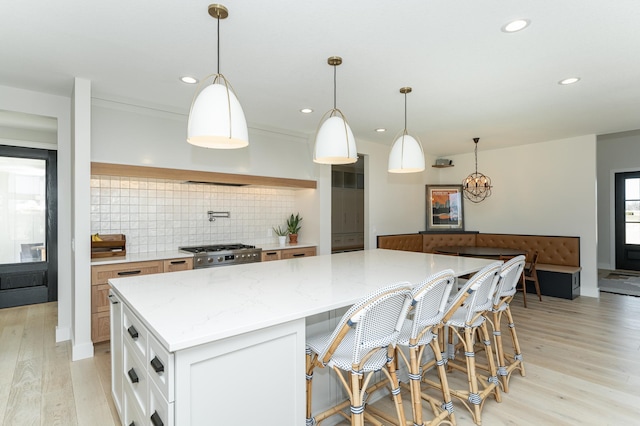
188	308
141	257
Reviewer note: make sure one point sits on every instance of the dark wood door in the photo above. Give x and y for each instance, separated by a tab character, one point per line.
28	226
627	220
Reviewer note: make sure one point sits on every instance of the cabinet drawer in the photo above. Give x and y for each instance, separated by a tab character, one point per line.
100	274
100	327
135	378
132	415
100	298
134	334
302	252
173	265
271	255
160	365
160	411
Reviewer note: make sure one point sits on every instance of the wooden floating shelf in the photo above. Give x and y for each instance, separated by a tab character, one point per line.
111	245
442	166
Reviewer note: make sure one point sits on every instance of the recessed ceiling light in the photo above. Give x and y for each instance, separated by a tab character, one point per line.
569	80
517	25
306	110
188	80
381	130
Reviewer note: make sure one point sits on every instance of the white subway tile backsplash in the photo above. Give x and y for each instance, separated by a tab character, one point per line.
158	215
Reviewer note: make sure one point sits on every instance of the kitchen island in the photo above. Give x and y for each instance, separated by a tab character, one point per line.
226	345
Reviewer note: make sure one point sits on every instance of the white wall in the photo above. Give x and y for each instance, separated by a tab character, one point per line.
617	152
540	189
25	101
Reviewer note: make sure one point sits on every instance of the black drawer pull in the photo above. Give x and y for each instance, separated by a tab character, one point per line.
115	302
298	255
133	376
157	365
271	253
133	332
156	420
132	424
129	272
178	262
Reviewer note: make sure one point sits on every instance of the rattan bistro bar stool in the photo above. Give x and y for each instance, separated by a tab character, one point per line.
464	317
505	290
419	331
362	343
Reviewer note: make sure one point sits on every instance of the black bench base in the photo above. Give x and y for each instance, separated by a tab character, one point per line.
557	284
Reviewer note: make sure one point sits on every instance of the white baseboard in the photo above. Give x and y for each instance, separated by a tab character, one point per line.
81	351
62	334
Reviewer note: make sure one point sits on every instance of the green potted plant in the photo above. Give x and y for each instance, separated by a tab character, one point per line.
293	226
282	234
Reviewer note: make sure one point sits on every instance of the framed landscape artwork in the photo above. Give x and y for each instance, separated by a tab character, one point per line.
444	208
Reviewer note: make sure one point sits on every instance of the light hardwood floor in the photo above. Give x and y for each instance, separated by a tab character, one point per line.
582	359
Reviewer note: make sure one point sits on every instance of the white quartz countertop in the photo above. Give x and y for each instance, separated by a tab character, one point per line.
276	246
141	257
187	308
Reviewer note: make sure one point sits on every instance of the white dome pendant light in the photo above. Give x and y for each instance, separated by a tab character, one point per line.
335	143
406	154
216	119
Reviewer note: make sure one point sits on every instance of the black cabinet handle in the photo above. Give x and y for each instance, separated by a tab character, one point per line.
178	262
156	420
271	253
132	424
298	255
129	272
114	302
157	365
133	376
133	332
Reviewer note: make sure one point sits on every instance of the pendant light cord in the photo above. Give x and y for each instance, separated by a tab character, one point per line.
334	86
476	153
218	45
405	112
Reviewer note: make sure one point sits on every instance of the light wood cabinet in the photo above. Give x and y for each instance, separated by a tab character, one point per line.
288	253
100	275
298	252
174	265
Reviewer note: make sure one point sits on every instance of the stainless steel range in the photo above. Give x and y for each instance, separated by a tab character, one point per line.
223	254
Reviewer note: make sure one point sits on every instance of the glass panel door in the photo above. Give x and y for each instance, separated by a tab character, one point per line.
22	210
627	220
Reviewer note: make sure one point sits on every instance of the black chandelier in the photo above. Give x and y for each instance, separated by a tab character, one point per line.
476	187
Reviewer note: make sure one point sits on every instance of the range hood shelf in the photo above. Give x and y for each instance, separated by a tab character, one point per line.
125	170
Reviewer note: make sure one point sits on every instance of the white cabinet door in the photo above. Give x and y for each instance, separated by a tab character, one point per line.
116	350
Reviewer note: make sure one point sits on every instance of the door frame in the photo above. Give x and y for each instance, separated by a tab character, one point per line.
51	215
615	232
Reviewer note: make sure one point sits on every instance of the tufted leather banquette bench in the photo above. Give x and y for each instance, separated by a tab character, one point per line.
558	257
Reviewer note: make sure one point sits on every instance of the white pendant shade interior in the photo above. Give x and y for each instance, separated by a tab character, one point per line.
407	155
216	118
335	143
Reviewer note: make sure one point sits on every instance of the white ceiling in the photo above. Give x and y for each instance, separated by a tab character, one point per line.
469	78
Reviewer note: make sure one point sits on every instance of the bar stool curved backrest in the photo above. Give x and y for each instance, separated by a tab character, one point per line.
362	343
509	279
476	296
429	303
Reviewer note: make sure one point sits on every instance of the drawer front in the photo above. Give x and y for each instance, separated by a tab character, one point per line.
134	333
174	265
271	255
303	252
160	411
132	415
160	365
100	327
101	274
135	378
100	298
